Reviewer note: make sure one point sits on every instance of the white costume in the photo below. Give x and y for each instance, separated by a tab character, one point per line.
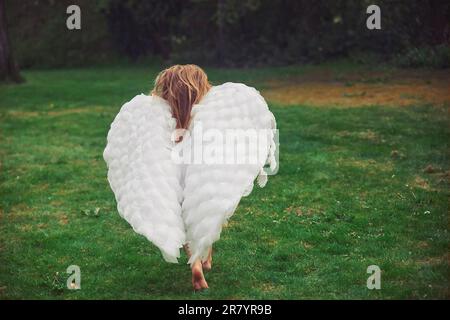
172	204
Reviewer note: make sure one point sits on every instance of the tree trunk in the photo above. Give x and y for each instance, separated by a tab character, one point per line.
8	67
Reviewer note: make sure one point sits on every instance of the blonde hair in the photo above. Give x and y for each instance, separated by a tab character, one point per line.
182	86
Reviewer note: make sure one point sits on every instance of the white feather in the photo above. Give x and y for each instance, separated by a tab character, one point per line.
233	106
142	176
172	204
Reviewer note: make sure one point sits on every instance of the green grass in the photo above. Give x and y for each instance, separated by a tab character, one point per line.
340	202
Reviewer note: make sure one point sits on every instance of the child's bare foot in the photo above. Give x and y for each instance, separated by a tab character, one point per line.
198	279
208	263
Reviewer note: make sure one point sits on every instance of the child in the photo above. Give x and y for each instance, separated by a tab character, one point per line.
183	201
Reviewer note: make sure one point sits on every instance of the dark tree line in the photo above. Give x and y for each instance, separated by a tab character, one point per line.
275	31
223	32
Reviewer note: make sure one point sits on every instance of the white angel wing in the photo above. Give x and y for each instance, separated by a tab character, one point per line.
144	179
213	190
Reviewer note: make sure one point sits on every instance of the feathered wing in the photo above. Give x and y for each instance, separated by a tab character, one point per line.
212	190
142	175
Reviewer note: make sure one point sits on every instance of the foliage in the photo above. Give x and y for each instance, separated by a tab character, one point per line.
434	57
225	32
40	38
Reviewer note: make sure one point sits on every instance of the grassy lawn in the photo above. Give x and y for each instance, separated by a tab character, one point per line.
356	186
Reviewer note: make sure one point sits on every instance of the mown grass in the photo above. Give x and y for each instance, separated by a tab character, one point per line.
351	192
